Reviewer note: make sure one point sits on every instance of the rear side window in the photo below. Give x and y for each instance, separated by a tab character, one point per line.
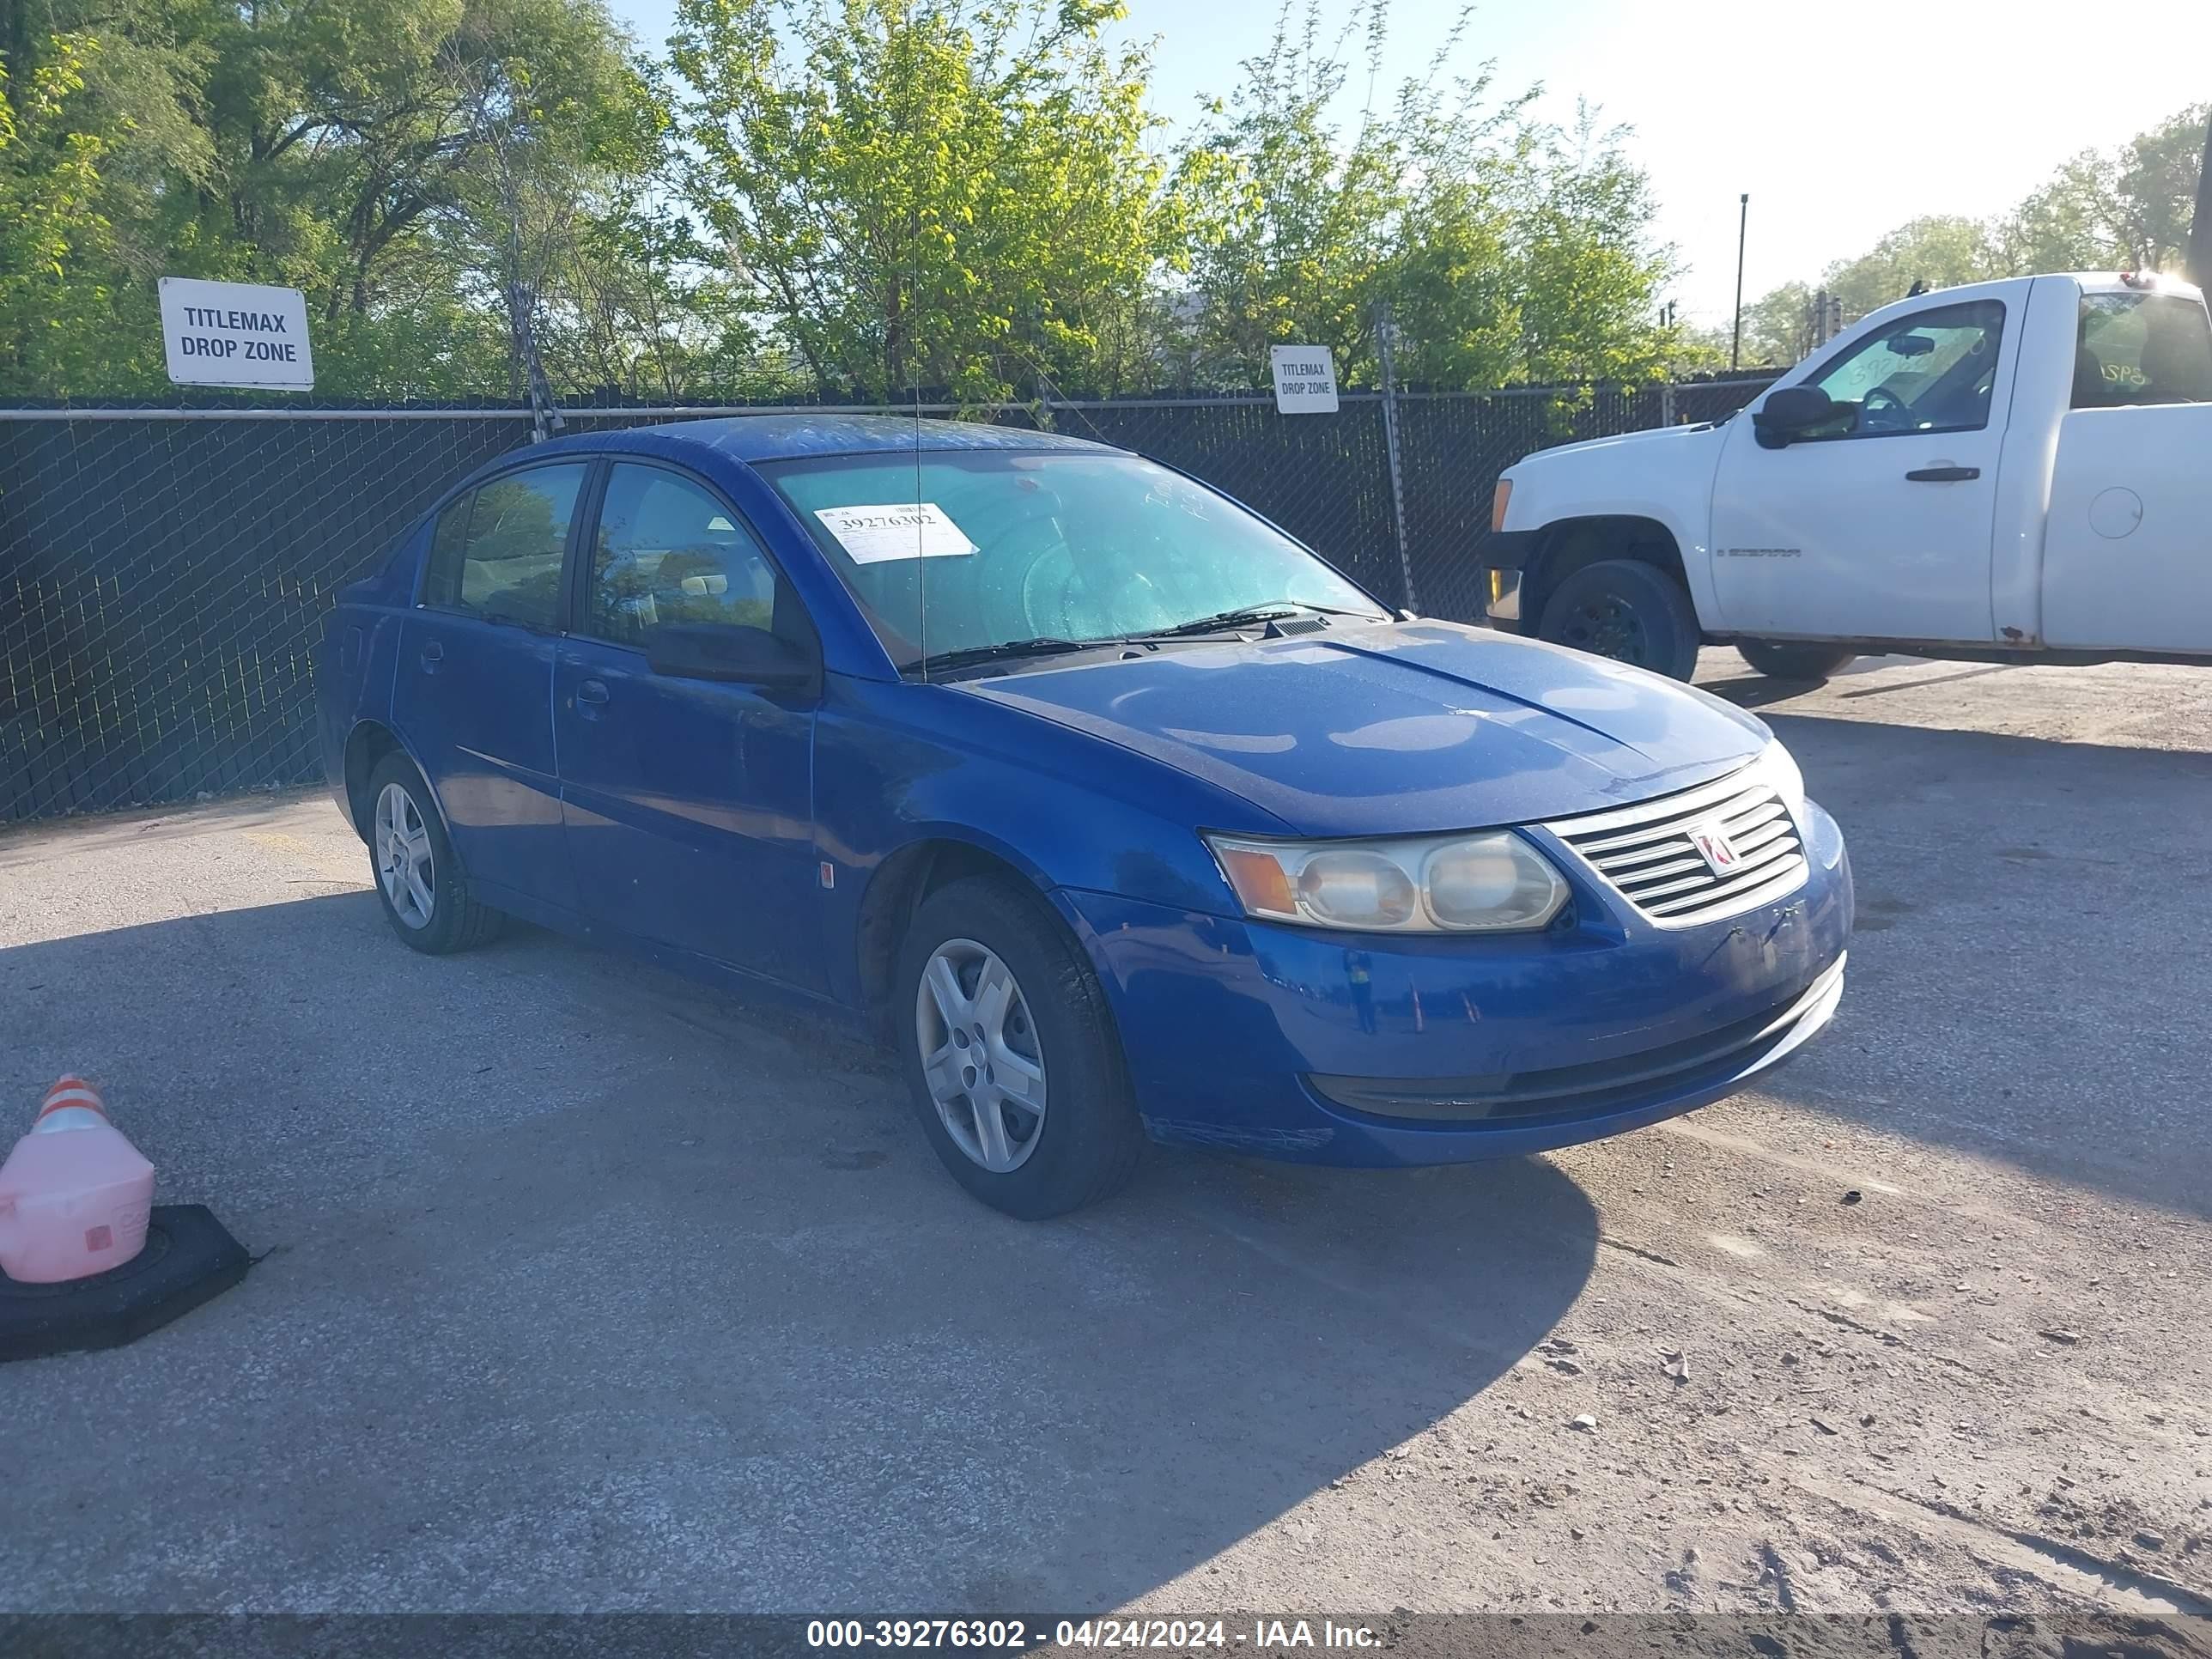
2143	348
498	553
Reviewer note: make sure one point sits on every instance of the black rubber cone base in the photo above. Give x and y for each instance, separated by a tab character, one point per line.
189	1258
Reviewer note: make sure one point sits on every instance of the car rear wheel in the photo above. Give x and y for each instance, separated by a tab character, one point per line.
1795	662
1627	610
419	882
1011	1055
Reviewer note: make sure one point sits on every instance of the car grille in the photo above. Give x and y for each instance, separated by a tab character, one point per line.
1648	853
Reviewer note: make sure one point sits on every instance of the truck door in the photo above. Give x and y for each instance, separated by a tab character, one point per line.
1877	524
2127	559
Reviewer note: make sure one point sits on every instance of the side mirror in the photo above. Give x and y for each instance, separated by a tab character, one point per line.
1790	411
735	654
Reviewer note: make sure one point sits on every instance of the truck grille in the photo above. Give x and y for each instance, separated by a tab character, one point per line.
1654	856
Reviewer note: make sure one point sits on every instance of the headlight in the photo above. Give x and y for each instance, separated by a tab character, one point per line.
1485	884
1779	769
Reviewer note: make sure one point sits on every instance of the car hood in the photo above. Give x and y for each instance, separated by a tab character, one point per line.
1396	728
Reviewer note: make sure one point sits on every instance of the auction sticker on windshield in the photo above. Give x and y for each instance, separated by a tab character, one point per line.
914	530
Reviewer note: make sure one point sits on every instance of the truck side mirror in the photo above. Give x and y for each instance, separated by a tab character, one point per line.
1790	412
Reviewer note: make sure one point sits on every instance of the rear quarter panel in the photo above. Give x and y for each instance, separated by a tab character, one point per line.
356	661
2127	557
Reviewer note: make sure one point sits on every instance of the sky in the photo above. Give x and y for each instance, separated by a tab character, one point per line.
1841	122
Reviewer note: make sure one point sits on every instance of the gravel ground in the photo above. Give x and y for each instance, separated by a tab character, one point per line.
582	1287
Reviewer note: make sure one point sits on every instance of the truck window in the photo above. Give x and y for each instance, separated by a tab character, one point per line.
1933	371
2143	348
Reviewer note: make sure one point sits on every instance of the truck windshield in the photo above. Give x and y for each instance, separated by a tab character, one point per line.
2143	348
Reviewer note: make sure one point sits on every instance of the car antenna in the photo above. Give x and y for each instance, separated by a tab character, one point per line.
920	564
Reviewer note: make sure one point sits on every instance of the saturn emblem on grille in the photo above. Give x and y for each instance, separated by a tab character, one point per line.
1710	839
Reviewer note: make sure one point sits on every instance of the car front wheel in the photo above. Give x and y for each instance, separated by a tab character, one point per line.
1010	1053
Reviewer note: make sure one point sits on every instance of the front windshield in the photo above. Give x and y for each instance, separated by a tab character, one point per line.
952	551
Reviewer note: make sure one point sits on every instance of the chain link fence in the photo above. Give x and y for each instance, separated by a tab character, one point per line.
163	573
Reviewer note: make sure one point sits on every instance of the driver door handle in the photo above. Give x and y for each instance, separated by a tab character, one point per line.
1943	474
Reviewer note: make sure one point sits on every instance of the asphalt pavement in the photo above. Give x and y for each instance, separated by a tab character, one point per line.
579	1286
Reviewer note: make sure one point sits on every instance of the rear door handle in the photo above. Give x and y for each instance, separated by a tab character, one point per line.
433	654
1943	474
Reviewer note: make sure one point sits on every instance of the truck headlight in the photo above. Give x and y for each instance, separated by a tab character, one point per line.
1490	883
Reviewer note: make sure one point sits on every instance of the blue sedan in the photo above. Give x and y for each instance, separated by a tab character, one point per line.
1117	811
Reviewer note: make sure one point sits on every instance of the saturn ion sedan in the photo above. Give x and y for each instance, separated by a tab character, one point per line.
1120	812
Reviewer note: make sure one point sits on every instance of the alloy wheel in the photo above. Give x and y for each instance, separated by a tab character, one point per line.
405	866
980	1057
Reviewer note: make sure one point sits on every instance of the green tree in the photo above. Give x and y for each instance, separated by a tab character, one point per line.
1583	263
57	258
2100	210
1505	250
352	151
2130	209
924	191
1940	250
1778	326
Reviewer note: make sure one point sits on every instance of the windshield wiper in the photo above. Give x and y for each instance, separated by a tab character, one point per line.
1004	650
1251	616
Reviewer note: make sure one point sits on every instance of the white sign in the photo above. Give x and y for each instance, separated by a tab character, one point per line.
1305	379
236	334
876	535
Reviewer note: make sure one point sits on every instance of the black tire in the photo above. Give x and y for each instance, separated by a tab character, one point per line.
457	921
1627	610
1088	1140
1811	663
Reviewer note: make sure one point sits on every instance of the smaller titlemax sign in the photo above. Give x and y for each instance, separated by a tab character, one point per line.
236	334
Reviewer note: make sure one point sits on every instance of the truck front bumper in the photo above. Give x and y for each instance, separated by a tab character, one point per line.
1498	566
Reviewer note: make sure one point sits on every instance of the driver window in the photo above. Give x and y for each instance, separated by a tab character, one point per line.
667	551
1933	371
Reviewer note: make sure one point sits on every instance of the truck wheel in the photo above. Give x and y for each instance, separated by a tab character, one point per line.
1627	610
1795	662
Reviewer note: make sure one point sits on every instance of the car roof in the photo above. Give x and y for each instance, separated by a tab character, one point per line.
787	435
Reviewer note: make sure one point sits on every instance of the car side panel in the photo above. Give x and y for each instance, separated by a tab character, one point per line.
899	764
473	701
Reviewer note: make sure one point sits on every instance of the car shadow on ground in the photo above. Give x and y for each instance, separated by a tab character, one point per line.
2033	955
584	1287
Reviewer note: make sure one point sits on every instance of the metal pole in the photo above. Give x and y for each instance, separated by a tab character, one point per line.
1742	224
1383	333
2198	266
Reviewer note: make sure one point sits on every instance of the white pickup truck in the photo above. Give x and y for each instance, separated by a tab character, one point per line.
2015	472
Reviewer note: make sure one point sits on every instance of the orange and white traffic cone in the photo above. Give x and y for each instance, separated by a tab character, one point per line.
75	1194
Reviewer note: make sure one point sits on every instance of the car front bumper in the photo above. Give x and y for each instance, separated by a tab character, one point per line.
1367	1050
